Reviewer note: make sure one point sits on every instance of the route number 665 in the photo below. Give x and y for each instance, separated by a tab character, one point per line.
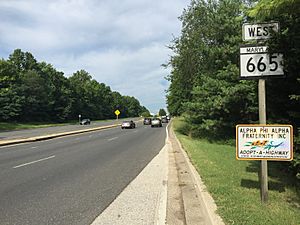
261	64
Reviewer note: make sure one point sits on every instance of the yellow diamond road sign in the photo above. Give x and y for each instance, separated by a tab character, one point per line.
117	112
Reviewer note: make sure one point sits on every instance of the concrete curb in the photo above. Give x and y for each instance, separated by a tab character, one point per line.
208	206
51	136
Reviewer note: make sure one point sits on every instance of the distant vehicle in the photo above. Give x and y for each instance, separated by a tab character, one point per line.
156	122
164	119
128	124
85	122
147	121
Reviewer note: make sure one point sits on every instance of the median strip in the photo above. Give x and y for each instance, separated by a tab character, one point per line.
51	136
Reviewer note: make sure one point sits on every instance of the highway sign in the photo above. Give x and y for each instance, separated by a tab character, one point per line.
256	62
259	31
117	112
264	142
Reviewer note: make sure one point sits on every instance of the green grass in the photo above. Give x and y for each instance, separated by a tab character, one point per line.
235	187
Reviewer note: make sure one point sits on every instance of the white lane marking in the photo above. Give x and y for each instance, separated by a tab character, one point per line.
111	139
29	163
135	131
34	146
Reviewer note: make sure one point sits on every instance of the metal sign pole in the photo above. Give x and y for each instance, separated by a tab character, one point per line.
262	120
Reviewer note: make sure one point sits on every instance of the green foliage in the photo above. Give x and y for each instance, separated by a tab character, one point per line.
145	114
10	101
268	8
295	164
204	79
35	91
162	112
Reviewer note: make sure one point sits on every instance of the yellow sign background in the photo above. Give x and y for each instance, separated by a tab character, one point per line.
117	112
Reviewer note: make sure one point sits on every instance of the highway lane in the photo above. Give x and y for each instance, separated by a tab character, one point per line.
71	180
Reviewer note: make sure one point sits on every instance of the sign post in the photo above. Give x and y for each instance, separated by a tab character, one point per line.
117	113
79	116
262	120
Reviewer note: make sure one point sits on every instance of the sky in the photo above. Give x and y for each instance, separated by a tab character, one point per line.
121	43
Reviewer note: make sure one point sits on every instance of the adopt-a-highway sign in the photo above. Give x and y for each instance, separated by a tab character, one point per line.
264	142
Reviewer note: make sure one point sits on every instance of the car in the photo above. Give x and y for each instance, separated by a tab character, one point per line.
128	124
164	119
147	121
85	122
156	122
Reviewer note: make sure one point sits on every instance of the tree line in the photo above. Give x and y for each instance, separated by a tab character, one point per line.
35	91
204	81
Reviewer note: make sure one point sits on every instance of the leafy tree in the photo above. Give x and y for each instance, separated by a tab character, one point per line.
212	97
10	101
58	92
22	61
162	112
33	91
35	101
145	112
133	106
79	83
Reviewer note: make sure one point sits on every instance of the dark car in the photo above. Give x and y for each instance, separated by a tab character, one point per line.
85	122
156	122
128	124
147	121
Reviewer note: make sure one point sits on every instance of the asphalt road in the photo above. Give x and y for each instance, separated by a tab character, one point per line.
71	180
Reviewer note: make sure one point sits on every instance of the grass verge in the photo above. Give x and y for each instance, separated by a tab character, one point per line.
235	187
5	126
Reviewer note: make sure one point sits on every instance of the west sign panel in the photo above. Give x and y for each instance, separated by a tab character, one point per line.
264	142
259	31
256	62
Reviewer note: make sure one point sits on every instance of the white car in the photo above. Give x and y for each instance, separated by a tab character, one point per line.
127	124
156	122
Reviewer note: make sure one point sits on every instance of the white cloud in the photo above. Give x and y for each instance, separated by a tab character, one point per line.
120	43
